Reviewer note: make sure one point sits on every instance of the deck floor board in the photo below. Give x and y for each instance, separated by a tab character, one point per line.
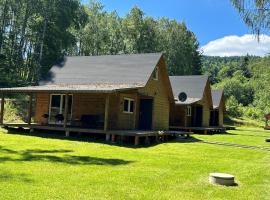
140	133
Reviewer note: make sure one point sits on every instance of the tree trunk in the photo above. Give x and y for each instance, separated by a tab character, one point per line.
38	67
3	25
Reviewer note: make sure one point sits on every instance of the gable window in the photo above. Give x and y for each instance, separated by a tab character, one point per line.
128	105
155	74
188	111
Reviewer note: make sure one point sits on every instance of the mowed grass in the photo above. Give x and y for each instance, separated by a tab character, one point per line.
33	167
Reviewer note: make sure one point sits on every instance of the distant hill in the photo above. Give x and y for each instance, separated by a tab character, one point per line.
211	65
246	83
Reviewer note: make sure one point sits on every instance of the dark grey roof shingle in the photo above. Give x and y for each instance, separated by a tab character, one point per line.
73	88
109	69
193	86
216	97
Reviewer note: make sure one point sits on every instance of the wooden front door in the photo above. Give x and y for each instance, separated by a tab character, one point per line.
214	118
146	110
197	116
57	106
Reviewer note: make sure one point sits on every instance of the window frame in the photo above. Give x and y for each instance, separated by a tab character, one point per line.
61	107
189	111
129	105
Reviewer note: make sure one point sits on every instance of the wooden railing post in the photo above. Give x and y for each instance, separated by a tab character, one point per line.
30	109
185	118
66	111
106	114
2	109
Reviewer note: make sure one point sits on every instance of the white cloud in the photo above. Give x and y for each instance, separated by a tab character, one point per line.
238	46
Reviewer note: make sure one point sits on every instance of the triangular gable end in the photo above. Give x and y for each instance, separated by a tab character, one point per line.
161	64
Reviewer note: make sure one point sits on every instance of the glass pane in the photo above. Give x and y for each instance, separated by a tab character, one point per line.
69	104
55	101
54	112
63	103
126	105
131	106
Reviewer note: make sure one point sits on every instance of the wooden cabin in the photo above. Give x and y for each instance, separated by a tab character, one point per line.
114	92
193	101
217	113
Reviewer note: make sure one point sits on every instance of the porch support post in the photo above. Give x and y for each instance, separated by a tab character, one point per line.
66	111
185	122
113	138
108	137
30	109
2	109
137	140
106	114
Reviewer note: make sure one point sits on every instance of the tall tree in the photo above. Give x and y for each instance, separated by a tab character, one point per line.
137	32
33	35
107	33
180	47
256	13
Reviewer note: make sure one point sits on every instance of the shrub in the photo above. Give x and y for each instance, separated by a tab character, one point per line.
234	109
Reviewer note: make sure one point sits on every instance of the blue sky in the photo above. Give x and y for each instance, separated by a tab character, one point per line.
210	20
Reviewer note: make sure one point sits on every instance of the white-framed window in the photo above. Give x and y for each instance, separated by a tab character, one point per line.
57	106
155	74
189	111
128	105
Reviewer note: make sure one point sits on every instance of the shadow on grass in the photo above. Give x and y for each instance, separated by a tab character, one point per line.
42	155
185	140
92	138
7	177
249	135
236	145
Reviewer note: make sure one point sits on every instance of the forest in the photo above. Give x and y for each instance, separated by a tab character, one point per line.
245	81
34	34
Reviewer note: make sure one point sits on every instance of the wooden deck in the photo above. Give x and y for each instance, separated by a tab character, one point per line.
205	130
110	134
230	127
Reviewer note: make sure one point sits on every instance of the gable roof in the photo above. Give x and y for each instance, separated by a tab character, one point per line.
110	69
217	97
193	86
106	73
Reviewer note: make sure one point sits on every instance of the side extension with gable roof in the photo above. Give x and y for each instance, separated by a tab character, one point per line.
194	110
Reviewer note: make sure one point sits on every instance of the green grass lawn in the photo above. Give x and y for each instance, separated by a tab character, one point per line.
34	167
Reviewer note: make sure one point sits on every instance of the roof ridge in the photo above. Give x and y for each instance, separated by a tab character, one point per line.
111	55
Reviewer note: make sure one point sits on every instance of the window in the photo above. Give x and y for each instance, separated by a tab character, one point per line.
188	111
155	74
128	105
57	106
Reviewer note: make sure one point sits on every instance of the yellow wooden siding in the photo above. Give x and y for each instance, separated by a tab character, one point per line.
113	111
127	120
42	106
180	111
84	104
206	102
159	91
222	109
178	115
221	117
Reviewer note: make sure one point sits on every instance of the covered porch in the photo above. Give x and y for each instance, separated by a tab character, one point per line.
138	136
84	110
58	112
75	108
